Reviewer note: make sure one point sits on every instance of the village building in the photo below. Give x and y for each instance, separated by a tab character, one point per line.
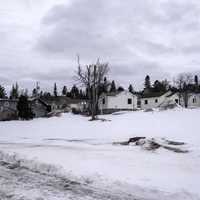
155	100
8	109
168	99
117	101
65	104
39	107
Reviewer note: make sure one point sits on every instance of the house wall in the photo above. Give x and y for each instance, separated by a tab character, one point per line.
38	109
4	104
160	100
8	110
152	102
118	102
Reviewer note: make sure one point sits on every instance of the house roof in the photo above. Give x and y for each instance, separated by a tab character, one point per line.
152	94
61	100
9	100
113	93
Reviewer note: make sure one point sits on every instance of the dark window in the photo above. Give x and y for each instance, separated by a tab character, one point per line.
156	100
129	101
103	101
194	100
176	100
146	102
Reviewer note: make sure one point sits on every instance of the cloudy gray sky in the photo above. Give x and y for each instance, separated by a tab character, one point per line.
39	39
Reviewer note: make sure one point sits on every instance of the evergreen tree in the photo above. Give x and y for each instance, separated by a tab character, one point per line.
74	92
14	94
55	92
41	93
2	92
64	91
130	89
120	89
24	110
81	95
34	92
105	85
113	87
147	83
196	80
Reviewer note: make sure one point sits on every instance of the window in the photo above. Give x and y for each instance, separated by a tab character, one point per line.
145	101
103	101
194	100
156	100
176	100
129	101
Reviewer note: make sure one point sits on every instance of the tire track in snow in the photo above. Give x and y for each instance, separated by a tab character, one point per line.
19	182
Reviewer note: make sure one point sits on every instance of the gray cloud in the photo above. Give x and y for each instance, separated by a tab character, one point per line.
136	37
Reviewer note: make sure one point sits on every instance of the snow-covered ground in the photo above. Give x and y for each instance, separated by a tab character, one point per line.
85	151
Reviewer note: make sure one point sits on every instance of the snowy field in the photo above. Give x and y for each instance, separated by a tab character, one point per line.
72	158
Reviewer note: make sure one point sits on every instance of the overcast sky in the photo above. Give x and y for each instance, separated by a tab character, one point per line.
39	39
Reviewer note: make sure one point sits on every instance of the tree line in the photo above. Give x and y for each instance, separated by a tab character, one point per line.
94	82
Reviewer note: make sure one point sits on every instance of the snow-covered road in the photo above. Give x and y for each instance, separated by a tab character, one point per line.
19	181
27	180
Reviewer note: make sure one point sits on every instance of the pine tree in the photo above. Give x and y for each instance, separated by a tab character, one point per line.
120	89
2	92
196	80
74	92
113	87
130	89
34	92
147	83
64	91
55	90
14	93
24	110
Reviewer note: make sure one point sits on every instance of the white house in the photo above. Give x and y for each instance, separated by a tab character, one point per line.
155	100
159	100
112	102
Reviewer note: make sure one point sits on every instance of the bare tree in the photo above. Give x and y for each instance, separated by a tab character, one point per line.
91	77
183	81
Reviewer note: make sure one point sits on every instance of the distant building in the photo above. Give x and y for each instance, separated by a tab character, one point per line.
39	107
155	100
8	109
169	98
117	101
65	103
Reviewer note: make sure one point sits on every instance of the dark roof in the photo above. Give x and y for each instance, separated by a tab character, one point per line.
61	100
152	94
9	100
113	93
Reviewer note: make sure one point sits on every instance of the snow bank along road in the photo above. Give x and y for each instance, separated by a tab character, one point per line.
20	181
93	168
27	180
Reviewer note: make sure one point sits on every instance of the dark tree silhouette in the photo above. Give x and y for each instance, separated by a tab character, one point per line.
130	89
113	87
2	92
147	82
24	110
55	92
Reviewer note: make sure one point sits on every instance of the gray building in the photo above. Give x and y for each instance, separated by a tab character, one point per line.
8	109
